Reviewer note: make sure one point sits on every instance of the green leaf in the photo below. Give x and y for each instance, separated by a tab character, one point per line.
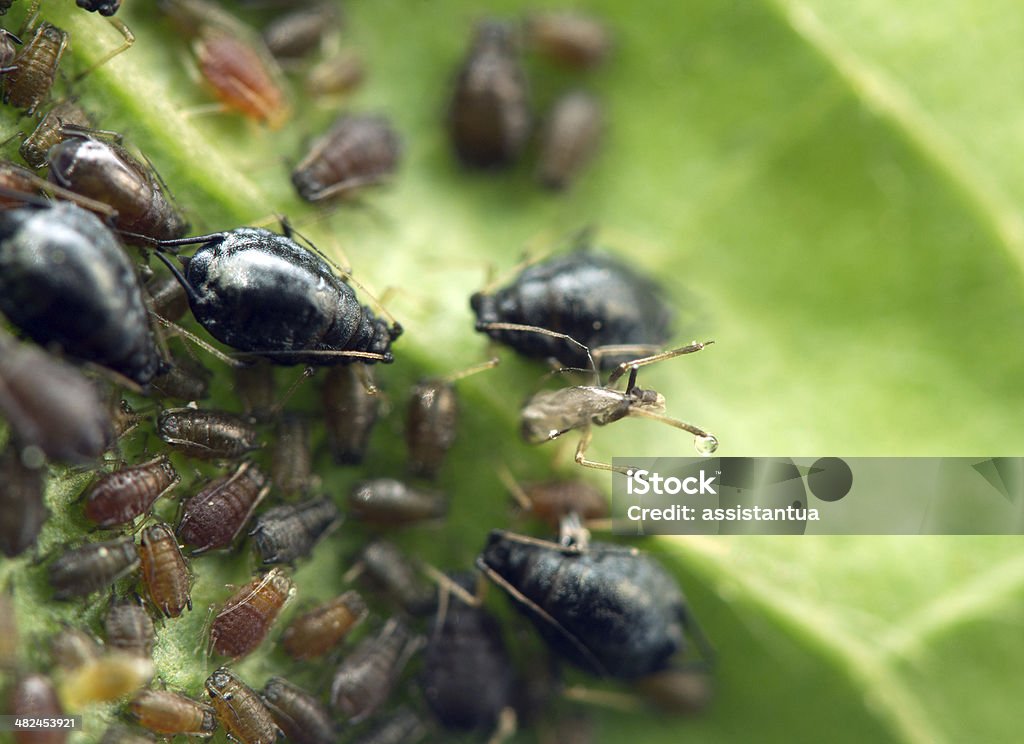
829	190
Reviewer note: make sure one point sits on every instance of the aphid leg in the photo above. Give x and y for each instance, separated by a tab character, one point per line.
512	485
307	372
601	352
383	358
620	701
129	40
506	728
581	459
705	442
700	640
522	599
353	573
489	364
31	16
635	364
530	257
447	587
544	331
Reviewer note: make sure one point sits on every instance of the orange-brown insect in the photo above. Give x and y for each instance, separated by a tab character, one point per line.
215	516
165	712
316	632
240	710
119	497
164	571
233	59
571	137
246	618
28	85
569	38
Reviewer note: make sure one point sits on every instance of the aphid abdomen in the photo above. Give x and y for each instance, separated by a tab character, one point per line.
207	434
29	84
240	710
290	531
357	151
121	496
91	567
164	570
129	628
166	712
299	715
247	616
316	632
214	516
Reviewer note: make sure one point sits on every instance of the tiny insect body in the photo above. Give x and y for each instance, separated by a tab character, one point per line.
50	405
165	573
592	297
215	516
351	408
119	497
249	613
365	678
240	710
291	531
319	630
571	136
392	571
402	726
489	115
64	280
51	130
22	510
338	74
551	501
129	627
468	679
27	86
34	696
295	34
298	714
390	502
207	434
166	712
262	293
291	465
185	379
92	567
108	173
572	39
358	150
611	610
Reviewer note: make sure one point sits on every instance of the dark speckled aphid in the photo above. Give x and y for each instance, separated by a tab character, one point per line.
592	297
240	710
215	516
489	114
207	434
92	567
248	615
291	531
122	495
611	610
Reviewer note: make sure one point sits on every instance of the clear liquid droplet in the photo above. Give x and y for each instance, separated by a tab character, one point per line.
705	444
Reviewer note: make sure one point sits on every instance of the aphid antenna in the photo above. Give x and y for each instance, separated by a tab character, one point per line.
16	39
447	587
326	353
635	364
63	194
19	134
116	377
31	16
621	701
636	350
129	40
546	332
521	598
468	371
278	407
346	276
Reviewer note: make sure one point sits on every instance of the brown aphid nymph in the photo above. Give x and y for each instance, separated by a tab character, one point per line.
110	174
240	710
357	151
489	117
207	434
129	627
27	86
247	616
119	497
571	137
350	411
215	516
316	632
431	426
571	39
51	130
165	573
92	567
166	712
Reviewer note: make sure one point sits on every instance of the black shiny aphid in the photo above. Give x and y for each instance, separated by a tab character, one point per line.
611	610
64	280
291	531
467	678
108	173
489	115
263	293
92	567
103	7
51	405
596	299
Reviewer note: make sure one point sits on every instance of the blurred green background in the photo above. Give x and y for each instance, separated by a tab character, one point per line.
829	190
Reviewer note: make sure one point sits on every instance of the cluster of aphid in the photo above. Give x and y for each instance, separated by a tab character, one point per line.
68	284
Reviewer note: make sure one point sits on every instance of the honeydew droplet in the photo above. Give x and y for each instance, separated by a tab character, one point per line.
705	444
